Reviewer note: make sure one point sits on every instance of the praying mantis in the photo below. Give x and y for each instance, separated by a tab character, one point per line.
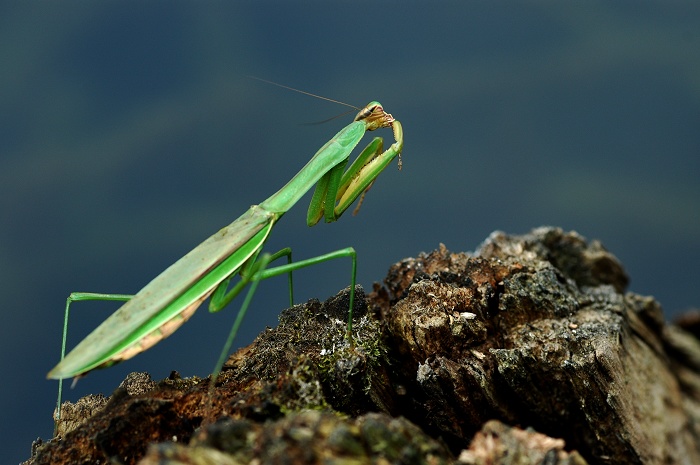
171	298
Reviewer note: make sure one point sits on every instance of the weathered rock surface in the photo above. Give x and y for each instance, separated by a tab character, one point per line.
527	351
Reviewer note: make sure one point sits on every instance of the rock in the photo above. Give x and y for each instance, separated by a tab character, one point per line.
502	444
307	436
452	357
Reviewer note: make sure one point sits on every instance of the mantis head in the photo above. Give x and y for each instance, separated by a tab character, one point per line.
374	116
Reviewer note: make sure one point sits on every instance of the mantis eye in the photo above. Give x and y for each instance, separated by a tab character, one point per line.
366	112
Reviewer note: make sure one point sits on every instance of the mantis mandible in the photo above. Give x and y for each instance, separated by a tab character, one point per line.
170	299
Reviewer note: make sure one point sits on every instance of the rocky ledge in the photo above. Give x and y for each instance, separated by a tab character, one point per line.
527	351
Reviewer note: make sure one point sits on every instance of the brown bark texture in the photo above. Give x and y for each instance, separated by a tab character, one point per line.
526	351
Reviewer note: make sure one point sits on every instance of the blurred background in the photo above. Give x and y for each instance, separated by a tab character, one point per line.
129	133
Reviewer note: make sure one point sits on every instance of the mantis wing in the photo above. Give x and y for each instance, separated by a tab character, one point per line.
165	303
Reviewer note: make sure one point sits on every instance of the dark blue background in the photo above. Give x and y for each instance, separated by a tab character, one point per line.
129	133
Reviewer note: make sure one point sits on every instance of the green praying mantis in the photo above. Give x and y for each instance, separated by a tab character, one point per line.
170	299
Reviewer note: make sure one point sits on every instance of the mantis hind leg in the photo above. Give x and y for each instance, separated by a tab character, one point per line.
78	297
222	299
